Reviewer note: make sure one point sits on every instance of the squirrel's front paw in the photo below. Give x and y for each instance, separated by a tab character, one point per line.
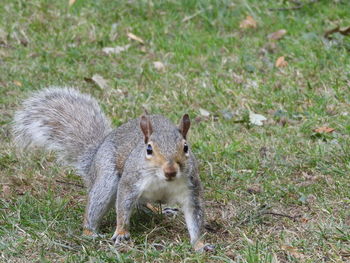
170	211
120	236
89	233
200	247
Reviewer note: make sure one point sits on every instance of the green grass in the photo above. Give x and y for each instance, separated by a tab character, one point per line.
273	193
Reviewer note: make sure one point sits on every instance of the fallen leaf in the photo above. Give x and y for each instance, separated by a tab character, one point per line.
115	50
324	129
281	62
256	119
204	112
331	31
136	38
158	65
249	22
292	251
304	220
17	83
71	2
100	81
344	31
277	35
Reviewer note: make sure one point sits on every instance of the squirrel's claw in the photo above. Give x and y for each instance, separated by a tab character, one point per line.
120	237
90	233
170	212
200	247
209	248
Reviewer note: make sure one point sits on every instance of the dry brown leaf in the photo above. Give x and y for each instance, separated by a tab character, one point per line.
136	38
249	22
71	2
304	220
292	251
277	35
344	31
17	83
331	31
324	129
158	65
281	62
100	81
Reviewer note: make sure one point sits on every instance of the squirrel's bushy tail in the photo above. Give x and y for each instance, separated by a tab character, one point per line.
63	120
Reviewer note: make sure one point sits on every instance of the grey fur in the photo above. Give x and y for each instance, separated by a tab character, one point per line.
113	163
63	120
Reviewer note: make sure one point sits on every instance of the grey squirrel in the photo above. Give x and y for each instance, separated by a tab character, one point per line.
147	159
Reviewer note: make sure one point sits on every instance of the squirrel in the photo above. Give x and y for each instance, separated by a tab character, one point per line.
147	159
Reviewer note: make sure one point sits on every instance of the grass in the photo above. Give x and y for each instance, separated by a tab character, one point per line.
273	193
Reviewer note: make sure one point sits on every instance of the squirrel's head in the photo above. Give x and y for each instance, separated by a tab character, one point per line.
166	148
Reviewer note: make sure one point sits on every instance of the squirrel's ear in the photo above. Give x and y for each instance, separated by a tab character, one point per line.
184	125
146	127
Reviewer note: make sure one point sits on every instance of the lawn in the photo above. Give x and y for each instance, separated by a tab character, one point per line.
277	192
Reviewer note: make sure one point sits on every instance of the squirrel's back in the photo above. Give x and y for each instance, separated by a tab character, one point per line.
60	119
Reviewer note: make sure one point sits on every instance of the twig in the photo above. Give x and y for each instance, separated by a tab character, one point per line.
297	6
261	213
63	182
281	215
187	18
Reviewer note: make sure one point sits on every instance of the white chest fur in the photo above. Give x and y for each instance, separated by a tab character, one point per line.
155	189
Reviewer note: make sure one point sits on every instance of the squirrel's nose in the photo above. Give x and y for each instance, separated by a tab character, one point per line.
170	172
170	175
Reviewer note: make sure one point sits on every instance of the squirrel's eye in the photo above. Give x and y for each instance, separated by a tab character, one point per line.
149	149
186	148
